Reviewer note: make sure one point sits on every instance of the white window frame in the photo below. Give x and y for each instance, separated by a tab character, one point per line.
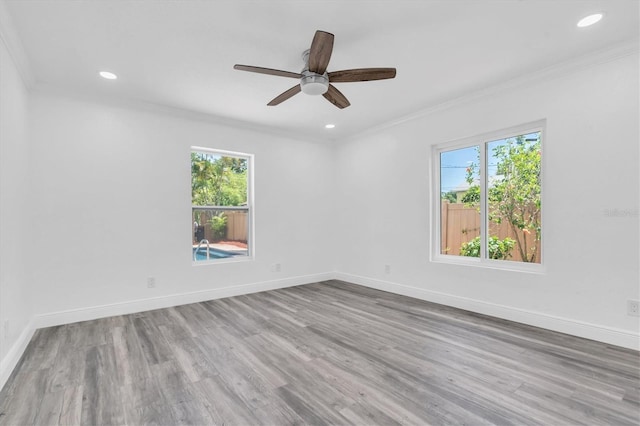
250	207
481	141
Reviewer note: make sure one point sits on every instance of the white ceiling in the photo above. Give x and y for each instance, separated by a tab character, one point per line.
181	53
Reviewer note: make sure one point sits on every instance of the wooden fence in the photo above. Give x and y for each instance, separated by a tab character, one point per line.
460	224
237	225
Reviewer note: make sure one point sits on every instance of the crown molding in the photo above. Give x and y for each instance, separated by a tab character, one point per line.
9	37
119	101
558	70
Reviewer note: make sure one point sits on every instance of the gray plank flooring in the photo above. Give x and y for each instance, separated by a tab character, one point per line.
324	353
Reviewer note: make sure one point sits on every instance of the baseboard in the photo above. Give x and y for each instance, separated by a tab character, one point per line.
600	333
10	360
141	305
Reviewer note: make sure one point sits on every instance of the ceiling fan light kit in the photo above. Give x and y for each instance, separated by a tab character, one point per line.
314	78
314	84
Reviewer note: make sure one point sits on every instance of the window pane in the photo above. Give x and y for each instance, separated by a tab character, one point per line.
513	203
220	212
220	233
460	202
217	180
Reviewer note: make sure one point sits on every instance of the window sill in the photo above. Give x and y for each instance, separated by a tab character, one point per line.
222	261
504	265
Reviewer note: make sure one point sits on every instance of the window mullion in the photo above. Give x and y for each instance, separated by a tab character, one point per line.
484	229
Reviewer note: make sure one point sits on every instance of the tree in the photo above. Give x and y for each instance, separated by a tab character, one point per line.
218	181
472	196
449	196
514	195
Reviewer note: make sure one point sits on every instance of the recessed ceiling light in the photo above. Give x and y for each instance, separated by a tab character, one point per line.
108	75
329	126
589	20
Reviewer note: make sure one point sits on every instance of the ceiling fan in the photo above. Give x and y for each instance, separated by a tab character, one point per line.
314	78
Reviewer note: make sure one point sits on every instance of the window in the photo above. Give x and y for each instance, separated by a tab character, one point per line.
488	206
221	206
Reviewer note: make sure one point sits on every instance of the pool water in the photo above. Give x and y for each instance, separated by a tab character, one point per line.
213	254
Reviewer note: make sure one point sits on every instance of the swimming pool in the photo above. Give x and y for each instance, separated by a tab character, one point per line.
213	254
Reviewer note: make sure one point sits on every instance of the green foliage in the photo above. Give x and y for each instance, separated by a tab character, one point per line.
218	225
449	196
472	196
218	181
515	196
498	249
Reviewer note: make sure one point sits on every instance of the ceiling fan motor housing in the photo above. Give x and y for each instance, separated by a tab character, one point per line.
312	83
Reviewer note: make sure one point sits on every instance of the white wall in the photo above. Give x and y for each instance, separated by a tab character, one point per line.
112	185
590	166
15	306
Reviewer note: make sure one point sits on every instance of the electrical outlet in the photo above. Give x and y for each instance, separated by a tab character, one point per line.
387	269
275	267
633	308
151	282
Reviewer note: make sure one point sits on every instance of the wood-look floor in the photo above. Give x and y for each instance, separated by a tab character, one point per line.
325	353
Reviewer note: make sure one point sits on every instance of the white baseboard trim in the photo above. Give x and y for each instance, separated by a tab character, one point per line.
141	305
10	360
613	336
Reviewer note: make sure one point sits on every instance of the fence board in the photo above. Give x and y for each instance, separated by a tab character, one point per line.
461	223
237	225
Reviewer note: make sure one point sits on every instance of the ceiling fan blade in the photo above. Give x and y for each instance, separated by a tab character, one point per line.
336	97
320	52
268	71
361	74
285	95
